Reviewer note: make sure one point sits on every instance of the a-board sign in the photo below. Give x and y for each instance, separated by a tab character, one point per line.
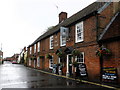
109	74
82	69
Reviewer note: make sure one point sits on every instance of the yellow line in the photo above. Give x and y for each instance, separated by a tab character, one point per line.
78	79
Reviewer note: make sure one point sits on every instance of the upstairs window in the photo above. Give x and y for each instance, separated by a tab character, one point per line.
35	48
80	58
63	35
38	47
79	32
30	50
51	42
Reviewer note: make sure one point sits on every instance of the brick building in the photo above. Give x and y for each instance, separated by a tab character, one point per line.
12	58
1	57
81	39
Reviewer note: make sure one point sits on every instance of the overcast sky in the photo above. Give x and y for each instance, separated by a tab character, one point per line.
23	21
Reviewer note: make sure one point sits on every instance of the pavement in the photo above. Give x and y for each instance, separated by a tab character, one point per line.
106	85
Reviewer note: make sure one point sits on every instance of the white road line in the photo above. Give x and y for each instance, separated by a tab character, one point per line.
6	84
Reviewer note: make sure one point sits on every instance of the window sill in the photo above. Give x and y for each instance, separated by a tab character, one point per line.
79	41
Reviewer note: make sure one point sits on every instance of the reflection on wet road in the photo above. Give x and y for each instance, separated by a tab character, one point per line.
18	76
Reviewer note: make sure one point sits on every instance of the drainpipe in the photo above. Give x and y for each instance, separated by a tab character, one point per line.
97	39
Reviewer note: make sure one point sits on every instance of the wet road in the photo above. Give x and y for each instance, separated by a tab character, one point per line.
19	76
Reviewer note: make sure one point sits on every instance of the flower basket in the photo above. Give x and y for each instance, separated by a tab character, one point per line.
33	58
76	52
103	52
41	56
48	56
60	54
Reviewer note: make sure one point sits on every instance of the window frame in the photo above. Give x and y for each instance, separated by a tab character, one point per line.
80	25
34	48
83	58
51	42
30	62
62	37
38	46
38	61
30	50
51	63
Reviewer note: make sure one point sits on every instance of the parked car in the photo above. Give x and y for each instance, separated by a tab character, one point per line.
14	62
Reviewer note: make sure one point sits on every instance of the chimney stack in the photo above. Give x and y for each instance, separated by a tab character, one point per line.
62	16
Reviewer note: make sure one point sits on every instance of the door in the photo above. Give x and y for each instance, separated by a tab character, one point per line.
70	64
43	63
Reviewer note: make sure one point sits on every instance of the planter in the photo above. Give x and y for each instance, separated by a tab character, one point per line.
48	56
41	57
76	52
103	52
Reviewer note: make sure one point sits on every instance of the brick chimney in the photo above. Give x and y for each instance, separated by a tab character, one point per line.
62	16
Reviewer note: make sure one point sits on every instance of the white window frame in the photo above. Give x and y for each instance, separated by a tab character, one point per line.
51	63
79	27
29	62
38	46
34	63
51	42
83	58
38	61
30	50
63	38
34	48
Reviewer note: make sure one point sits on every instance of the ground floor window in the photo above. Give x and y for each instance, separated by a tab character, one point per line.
80	58
34	63
29	62
51	63
38	62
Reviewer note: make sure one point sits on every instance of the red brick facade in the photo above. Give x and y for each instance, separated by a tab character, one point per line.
93	26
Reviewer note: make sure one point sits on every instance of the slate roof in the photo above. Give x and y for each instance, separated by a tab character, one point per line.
112	30
92	8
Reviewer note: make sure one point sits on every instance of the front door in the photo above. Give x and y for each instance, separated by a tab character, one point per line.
70	64
34	63
43	63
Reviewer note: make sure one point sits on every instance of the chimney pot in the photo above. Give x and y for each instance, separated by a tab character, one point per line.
62	16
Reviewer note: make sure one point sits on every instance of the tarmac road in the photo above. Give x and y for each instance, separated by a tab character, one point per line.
19	76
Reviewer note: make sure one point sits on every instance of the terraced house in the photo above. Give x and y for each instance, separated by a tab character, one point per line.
85	44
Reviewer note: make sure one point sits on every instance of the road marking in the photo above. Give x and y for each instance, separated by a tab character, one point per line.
93	83
7	84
